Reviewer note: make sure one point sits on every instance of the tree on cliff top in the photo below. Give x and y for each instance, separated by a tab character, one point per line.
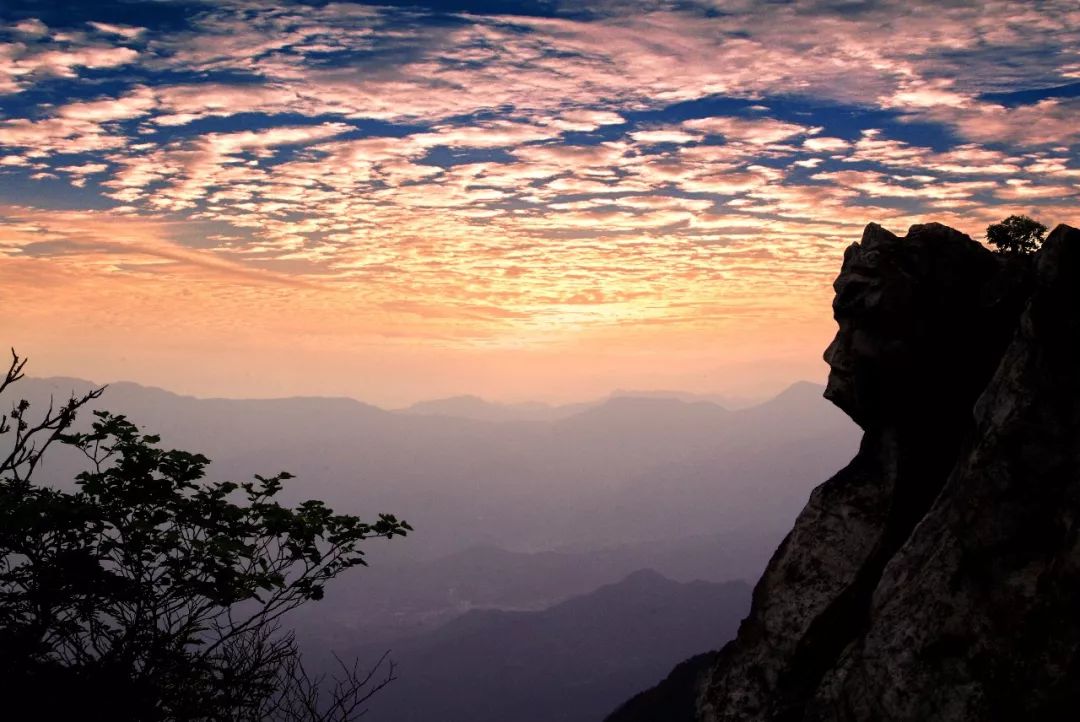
148	594
1016	235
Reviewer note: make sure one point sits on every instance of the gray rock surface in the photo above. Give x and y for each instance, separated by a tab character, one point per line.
975	617
937	577
921	330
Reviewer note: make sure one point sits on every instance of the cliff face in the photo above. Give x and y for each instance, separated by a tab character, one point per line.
937	576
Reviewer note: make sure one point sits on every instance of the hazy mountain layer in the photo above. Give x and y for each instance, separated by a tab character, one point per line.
568	663
388	601
476	408
630	470
688	488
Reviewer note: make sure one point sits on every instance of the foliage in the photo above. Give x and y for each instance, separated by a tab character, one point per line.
1016	235
153	594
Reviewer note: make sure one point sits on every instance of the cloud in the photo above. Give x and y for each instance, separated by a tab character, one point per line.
963	159
756	131
913	94
128	32
494	134
184	103
881	185
23	64
140	101
79	172
1016	189
192	171
586	120
664	136
31	27
83	235
1050	121
826	144
58	135
524	163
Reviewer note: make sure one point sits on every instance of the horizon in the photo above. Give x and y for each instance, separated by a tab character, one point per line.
532	199
734	403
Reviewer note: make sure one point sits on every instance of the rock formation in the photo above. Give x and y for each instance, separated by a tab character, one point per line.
937	576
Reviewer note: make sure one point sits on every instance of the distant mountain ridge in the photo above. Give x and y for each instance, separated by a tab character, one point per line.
477	408
391	601
474	407
568	663
464	406
612	474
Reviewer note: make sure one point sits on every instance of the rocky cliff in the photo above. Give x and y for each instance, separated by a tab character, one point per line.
937	576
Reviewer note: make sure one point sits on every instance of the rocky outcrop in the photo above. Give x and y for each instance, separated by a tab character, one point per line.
976	616
937	577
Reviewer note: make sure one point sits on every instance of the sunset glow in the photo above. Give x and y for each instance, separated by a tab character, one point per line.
521	200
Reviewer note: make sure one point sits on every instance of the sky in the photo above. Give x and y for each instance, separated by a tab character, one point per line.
521	200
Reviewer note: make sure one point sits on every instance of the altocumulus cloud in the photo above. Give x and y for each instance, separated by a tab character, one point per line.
533	157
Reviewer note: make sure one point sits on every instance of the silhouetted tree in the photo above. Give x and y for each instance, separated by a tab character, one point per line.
1016	235
148	594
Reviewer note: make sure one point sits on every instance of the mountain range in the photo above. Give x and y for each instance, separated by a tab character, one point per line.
515	519
569	663
630	470
474	407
